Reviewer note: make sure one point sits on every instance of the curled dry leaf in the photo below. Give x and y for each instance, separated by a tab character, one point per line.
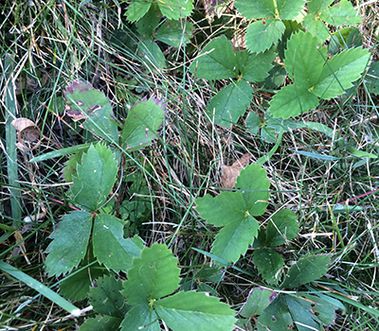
229	174
214	8
28	134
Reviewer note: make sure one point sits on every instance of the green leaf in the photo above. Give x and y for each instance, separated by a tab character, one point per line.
268	263
94	178
255	67
217	60
282	227
317	6
316	27
253	123
300	311
100	323
342	13
71	165
151	54
69	245
276	317
304	59
110	247
257	301
340	72
147	25
306	270
175	9
256	9
289	10
106	297
84	101
292	100
154	275
187	311
137	9
142	318
142	125
262	35
372	78
230	103
175	33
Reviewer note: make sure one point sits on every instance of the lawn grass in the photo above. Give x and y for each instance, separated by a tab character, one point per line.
54	42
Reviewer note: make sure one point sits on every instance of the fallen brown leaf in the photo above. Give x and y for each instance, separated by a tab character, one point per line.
229	174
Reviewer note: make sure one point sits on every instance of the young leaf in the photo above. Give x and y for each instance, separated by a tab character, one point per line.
282	227
142	125
342	13
255	67
217	60
292	100
110	247
94	178
195	311
257	301
340	72
256	9
70	241
230	103
268	263
106	297
175	9
154	275
140	317
306	270
262	35
100	323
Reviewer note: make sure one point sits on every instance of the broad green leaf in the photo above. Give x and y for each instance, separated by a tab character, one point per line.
234	239
101	323
154	275
276	317
306	270
304	59
317	6
340	72
94	178
70	241
257	301
147	25
188	311
141	318
255	67
70	166
282	227
217	60
110	247
254	184
256	9
142	125
137	9
342	13
84	101
151	54
344	38
230	103
253	123
106	297
175	33
316	27
262	35
268	263
292	100
372	78
175	9
301	312
289	10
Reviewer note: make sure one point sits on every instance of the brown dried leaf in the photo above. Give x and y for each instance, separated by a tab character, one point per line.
214	8
229	174
28	134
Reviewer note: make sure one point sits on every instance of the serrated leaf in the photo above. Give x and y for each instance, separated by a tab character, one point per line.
342	13
185	311
268	263
140	317
276	317
151	54
110	247
100	323
137	9
304	59
142	125
69	169
217	60
262	35
84	101
300	311
340	72
291	101
257	301
70	241
106	297
255	67
175	9
307	269
282	227
316	27
256	9
154	275
317	6
289	10
94	178
149	22
230	103
175	33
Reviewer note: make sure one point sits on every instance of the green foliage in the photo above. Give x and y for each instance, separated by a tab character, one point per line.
372	78
257	301
235	212
268	262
